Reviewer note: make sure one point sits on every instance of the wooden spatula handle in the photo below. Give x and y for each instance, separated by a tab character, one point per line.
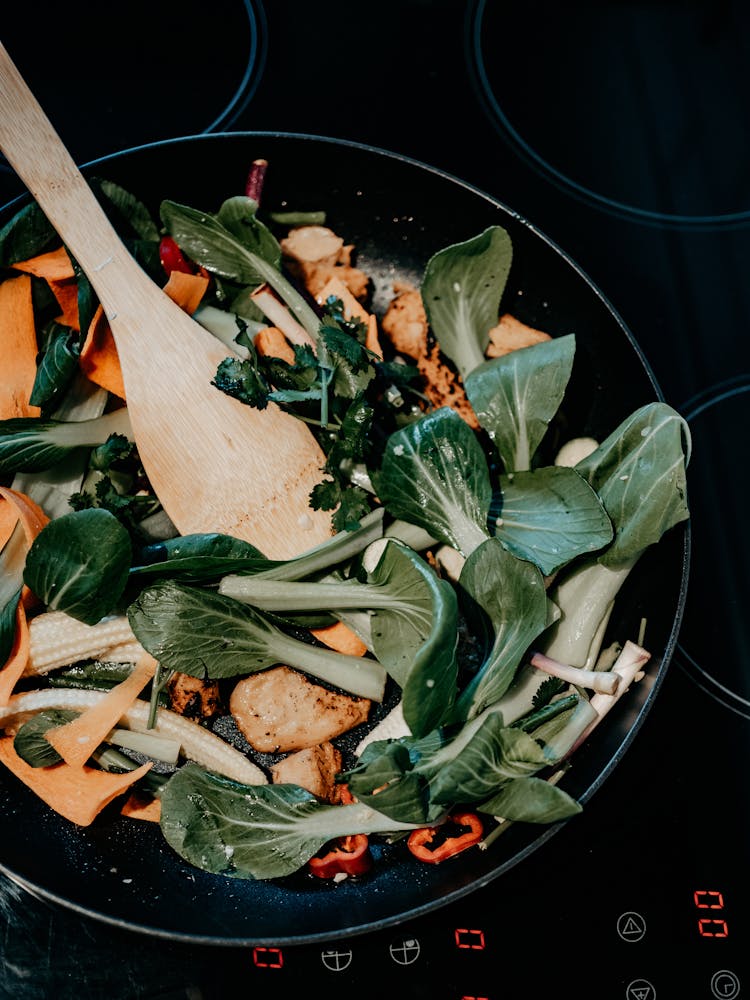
39	157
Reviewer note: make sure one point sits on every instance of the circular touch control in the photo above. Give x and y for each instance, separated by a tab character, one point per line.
713	645
639	109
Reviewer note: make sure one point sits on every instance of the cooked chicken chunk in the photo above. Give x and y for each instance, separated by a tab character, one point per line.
314	768
193	697
510	334
405	323
281	710
315	253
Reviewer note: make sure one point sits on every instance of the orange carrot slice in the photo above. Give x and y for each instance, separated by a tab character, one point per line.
76	740
271	342
56	269
19	505
18	348
77	793
186	290
15	507
341	638
138	807
99	360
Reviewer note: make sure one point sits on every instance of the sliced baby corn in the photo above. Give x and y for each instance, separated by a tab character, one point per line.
57	640
198	744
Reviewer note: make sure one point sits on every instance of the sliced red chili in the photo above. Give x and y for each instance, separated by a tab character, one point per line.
436	843
344	856
173	259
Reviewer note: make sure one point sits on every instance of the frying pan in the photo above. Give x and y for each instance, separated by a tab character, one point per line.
397	212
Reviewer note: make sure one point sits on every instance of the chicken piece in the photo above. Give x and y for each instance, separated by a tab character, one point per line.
405	324
405	321
510	334
279	710
315	254
312	245
314	769
193	697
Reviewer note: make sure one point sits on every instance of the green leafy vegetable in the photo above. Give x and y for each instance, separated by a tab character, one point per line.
30	742
413	621
505	604
79	563
639	472
32	444
205	634
461	290
550	517
434	474
516	396
254	831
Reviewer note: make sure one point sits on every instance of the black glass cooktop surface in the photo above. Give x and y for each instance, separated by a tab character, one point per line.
622	131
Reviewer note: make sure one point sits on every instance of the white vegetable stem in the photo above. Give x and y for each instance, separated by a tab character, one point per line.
604	681
281	317
629	668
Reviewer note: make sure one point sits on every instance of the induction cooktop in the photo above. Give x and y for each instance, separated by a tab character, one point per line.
622	131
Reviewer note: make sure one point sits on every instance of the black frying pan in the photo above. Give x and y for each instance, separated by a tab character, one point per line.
398	213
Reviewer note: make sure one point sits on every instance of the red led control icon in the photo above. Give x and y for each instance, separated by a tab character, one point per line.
268	958
467	938
711	924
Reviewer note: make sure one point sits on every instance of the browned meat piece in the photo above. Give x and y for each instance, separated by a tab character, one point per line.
314	254
193	697
281	710
405	324
510	334
405	321
314	768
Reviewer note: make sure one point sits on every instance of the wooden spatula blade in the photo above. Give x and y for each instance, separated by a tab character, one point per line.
215	464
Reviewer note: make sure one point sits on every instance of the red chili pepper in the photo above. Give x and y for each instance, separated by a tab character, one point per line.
470	832
345	855
173	259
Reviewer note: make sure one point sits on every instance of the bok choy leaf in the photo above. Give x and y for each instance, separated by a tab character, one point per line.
639	473
204	634
434	474
461	290
255	831
516	396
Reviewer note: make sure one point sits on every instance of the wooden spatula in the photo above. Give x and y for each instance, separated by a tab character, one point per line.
216	464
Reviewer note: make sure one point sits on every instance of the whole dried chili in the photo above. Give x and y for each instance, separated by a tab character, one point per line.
436	843
344	856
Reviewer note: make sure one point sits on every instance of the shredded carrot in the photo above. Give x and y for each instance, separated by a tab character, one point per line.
76	740
372	340
56	269
341	638
77	793
15	507
15	665
20	506
139	807
18	348
99	359
186	290
271	342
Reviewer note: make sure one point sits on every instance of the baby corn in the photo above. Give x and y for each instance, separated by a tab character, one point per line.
57	640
